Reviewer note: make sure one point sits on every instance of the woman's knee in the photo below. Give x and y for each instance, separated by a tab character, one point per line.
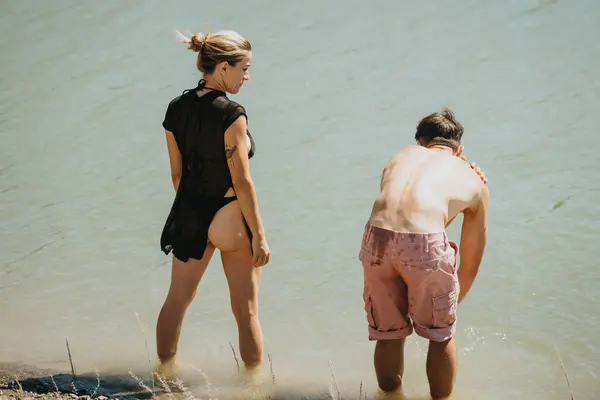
245	312
243	281
181	298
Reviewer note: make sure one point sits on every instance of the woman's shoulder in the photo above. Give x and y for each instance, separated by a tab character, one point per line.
175	108
180	99
228	106
230	110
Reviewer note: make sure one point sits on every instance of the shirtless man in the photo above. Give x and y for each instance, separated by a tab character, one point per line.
409	265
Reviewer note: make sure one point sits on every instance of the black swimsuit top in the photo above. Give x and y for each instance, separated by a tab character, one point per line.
199	124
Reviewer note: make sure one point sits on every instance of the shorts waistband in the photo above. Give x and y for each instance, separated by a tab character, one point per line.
417	240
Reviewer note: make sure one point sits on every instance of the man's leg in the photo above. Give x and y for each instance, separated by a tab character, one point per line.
385	295
441	368
389	324
433	307
389	364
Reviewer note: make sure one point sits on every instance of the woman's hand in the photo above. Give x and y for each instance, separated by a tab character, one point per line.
260	252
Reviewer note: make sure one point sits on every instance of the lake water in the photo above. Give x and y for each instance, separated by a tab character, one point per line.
335	90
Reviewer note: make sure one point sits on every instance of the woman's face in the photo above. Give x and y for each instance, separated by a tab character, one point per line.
235	76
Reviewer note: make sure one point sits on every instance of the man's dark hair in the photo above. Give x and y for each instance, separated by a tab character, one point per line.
440	128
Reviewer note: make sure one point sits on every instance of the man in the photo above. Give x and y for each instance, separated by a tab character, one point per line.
410	275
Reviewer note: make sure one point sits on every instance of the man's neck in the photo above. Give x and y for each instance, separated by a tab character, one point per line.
442	148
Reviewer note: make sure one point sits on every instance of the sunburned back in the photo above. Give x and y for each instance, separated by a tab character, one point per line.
422	189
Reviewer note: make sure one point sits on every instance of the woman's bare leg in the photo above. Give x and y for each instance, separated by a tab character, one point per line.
244	280
185	277
228	233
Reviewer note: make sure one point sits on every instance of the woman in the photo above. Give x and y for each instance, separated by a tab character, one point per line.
215	205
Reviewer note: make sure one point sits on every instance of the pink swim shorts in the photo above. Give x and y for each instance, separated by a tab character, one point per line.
409	280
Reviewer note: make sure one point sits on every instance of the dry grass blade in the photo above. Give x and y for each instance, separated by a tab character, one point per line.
206	380
235	357
337	389
142	384
271	367
70	359
188	395
98	383
18	382
165	386
54	383
147	353
562	365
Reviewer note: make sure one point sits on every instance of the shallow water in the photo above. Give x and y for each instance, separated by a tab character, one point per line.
335	90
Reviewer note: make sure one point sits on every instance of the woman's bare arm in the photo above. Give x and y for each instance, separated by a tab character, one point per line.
236	152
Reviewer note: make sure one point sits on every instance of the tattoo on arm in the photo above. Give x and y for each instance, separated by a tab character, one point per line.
229	151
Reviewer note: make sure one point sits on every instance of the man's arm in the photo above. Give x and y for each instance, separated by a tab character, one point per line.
476	169
472	241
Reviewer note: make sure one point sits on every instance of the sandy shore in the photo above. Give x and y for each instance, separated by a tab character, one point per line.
16	394
19	381
24	387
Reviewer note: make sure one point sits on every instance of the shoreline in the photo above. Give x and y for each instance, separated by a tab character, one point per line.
20	381
17	381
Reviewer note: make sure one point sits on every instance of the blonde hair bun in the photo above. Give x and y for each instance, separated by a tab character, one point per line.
195	42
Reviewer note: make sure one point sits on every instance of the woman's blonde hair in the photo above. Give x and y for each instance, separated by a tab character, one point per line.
214	48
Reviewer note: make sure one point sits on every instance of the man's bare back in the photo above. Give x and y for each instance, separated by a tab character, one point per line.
423	189
411	280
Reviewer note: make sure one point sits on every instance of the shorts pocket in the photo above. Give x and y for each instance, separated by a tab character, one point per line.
369	309
368	258
444	309
452	257
448	264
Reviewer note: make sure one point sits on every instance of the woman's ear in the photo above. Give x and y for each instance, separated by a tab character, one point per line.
222	67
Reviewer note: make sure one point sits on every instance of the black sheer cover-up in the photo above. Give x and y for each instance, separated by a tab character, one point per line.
199	124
